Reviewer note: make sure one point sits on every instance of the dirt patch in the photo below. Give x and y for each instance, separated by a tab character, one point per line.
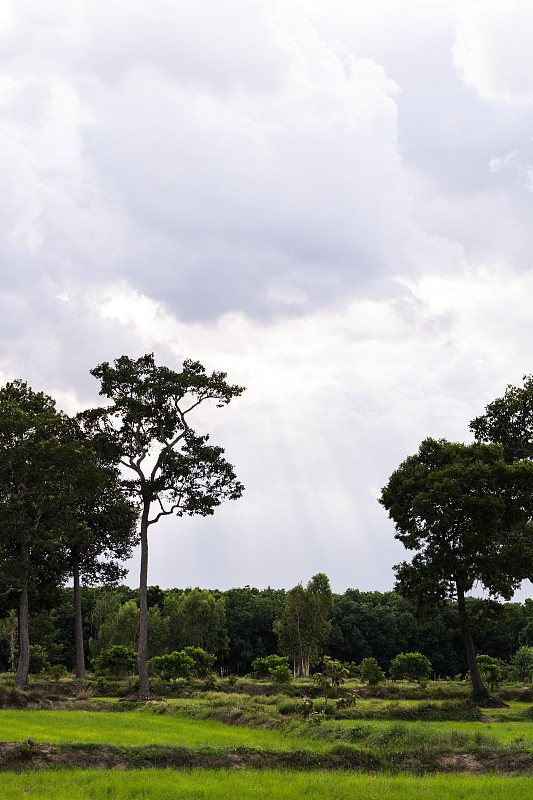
16	756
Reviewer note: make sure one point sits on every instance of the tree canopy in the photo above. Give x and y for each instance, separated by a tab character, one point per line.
466	513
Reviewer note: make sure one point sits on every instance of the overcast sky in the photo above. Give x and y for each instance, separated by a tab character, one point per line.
330	200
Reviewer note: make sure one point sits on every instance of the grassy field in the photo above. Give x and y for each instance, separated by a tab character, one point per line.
226	744
282	785
137	728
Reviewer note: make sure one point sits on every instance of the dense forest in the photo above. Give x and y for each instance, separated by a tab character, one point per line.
242	624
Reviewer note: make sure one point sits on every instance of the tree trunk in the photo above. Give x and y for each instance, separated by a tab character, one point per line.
142	654
78	621
478	687
21	678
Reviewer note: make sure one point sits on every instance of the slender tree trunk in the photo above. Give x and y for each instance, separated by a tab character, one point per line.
478	686
142	654
21	678
78	621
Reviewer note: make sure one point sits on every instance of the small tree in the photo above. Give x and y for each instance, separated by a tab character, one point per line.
490	669
412	666
522	664
332	676
370	671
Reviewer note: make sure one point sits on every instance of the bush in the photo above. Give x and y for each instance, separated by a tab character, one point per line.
261	666
210	683
280	675
371	672
38	659
171	666
203	662
413	666
117	660
57	672
293	707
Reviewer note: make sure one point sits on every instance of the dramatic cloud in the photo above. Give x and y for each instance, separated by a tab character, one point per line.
331	201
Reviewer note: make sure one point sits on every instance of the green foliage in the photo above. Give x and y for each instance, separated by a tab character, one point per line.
187	476
57	672
413	666
120	626
490	669
304	628
116	660
464	511
171	666
281	675
210	683
332	676
371	672
522	664
195	618
189	662
261	667
203	662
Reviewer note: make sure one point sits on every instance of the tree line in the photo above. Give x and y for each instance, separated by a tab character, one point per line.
242	624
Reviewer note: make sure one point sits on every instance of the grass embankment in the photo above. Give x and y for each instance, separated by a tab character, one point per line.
217	729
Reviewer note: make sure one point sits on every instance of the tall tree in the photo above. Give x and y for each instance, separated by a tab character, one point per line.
99	535
37	456
467	514
172	470
304	628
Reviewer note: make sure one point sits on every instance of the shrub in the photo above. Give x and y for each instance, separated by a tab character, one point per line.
210	683
261	666
292	707
116	660
171	666
281	675
203	662
38	659
413	666
371	672
57	672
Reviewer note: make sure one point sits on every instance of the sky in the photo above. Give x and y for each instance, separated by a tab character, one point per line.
330	200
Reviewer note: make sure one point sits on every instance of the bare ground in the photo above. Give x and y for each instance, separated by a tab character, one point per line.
16	756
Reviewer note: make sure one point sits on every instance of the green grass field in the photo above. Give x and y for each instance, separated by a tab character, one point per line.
137	728
249	785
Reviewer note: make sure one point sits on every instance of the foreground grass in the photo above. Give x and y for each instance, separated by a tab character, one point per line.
281	784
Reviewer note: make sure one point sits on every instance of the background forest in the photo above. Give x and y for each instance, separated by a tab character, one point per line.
242	624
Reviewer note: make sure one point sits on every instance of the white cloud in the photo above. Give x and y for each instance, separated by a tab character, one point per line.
493	49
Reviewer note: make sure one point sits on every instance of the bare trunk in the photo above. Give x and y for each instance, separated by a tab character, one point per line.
21	678
478	686
142	654
78	621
